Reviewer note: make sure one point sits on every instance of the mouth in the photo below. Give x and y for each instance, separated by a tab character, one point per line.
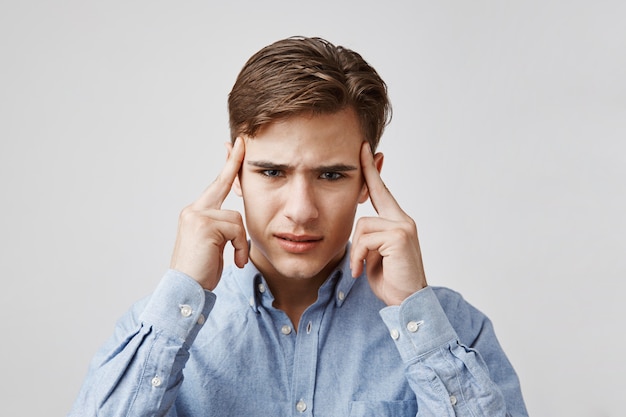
298	243
298	238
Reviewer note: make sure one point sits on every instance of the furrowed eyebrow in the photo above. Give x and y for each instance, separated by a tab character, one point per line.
268	165
284	167
337	168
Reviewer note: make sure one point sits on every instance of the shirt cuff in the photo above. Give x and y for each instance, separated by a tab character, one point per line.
418	325
178	307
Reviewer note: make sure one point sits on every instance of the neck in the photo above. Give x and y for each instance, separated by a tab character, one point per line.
293	296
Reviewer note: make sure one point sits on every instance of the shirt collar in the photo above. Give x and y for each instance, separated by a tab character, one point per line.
254	288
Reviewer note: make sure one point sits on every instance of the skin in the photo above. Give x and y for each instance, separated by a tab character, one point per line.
301	180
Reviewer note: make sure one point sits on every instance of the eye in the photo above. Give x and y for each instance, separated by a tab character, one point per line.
272	173
331	176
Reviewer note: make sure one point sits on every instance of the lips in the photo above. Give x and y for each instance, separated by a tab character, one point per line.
298	243
298	238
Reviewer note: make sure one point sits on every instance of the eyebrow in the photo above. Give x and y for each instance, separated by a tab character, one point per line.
285	167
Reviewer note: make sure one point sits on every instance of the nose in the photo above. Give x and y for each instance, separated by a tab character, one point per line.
300	203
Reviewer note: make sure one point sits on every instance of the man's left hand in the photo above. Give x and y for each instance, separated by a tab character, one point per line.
388	243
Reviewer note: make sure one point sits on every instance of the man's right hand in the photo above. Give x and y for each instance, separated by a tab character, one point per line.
204	228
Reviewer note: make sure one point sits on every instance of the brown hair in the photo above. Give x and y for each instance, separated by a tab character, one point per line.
298	75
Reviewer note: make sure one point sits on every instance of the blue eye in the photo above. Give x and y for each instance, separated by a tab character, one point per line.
331	176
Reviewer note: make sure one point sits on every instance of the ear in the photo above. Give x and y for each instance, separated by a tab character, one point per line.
237	186
378	161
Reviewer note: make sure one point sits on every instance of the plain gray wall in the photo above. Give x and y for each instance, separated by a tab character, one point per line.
507	147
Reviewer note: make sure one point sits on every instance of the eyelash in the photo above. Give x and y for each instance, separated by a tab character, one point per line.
275	173
335	176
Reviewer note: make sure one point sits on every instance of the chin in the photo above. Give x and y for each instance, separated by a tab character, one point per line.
299	270
301	266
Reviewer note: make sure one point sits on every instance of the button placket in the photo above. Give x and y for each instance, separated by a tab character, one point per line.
305	359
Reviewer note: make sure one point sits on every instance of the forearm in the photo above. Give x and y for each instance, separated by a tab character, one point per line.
448	377
139	371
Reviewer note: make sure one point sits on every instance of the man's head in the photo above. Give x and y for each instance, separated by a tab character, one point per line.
300	75
304	108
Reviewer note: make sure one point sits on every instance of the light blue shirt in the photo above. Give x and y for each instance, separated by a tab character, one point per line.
186	351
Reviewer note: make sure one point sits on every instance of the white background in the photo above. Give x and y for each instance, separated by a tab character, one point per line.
507	147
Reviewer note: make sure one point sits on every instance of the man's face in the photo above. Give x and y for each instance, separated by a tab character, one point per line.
301	183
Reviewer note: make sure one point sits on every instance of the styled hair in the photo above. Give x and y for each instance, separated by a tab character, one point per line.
307	75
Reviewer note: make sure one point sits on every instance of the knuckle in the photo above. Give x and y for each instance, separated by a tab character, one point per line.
186	213
202	222
238	218
234	217
411	223
191	218
357	229
403	234
241	231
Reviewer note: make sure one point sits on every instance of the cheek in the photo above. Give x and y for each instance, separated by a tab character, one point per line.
251	187
342	208
260	205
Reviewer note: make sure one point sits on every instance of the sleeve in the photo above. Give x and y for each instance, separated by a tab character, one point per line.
448	374
138	372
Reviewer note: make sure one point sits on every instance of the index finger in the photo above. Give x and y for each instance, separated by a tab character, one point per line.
216	193
383	201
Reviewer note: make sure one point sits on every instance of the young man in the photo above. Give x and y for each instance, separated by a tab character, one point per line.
305	323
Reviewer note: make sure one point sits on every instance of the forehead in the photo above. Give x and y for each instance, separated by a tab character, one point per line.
308	137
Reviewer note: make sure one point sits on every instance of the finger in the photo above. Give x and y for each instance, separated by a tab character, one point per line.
216	193
363	246
230	225
363	226
357	252
374	224
236	234
240	244
383	201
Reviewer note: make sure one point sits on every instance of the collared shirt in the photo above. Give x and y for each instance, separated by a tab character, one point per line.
186	351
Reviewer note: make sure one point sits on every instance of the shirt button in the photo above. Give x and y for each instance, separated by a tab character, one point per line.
201	319
251	301
185	310
261	288
301	406
452	400
285	329
156	381
395	334
341	295
413	326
